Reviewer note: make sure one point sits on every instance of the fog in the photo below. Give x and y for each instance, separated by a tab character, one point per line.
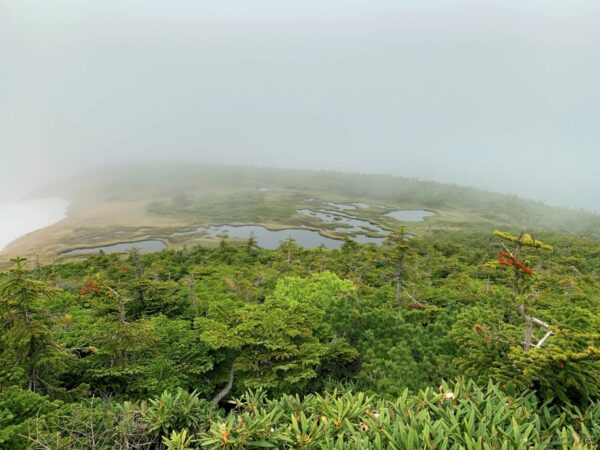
503	95
19	218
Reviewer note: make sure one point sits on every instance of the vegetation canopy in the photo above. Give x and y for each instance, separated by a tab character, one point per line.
450	341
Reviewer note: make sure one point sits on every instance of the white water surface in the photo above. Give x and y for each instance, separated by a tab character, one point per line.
19	218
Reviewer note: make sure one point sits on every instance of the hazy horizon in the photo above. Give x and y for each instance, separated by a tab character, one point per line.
502	96
37	193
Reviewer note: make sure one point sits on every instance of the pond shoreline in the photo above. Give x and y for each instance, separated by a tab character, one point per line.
118	227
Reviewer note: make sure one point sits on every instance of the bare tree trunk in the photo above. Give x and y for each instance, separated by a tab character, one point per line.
137	261
528	333
120	304
139	272
227	389
542	340
399	275
529	322
32	385
38	267
192	289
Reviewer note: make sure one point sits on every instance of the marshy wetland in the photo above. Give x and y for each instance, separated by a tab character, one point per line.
335	225
175	206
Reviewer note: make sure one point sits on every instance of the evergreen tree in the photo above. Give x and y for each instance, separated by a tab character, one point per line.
30	356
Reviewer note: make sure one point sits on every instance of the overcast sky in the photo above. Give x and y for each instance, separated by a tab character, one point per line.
502	94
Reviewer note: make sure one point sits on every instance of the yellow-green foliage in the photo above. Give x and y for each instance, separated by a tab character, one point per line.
526	240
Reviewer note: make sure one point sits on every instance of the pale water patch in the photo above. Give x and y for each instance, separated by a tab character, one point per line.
410	215
19	218
341	206
147	246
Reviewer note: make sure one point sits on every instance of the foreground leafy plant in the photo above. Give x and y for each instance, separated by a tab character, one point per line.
456	416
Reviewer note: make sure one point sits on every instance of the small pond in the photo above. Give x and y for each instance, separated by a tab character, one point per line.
410	215
271	239
352	224
341	206
151	245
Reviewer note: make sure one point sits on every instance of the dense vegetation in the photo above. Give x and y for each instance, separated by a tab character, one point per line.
457	340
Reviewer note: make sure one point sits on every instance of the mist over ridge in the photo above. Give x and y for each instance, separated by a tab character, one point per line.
501	96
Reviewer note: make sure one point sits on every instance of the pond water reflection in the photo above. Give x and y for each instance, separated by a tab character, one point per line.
271	239
150	245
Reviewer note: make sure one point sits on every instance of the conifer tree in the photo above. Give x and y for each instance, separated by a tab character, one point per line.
29	354
499	338
521	283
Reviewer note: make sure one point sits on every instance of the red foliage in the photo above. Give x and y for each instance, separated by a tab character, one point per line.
507	259
90	286
481	330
